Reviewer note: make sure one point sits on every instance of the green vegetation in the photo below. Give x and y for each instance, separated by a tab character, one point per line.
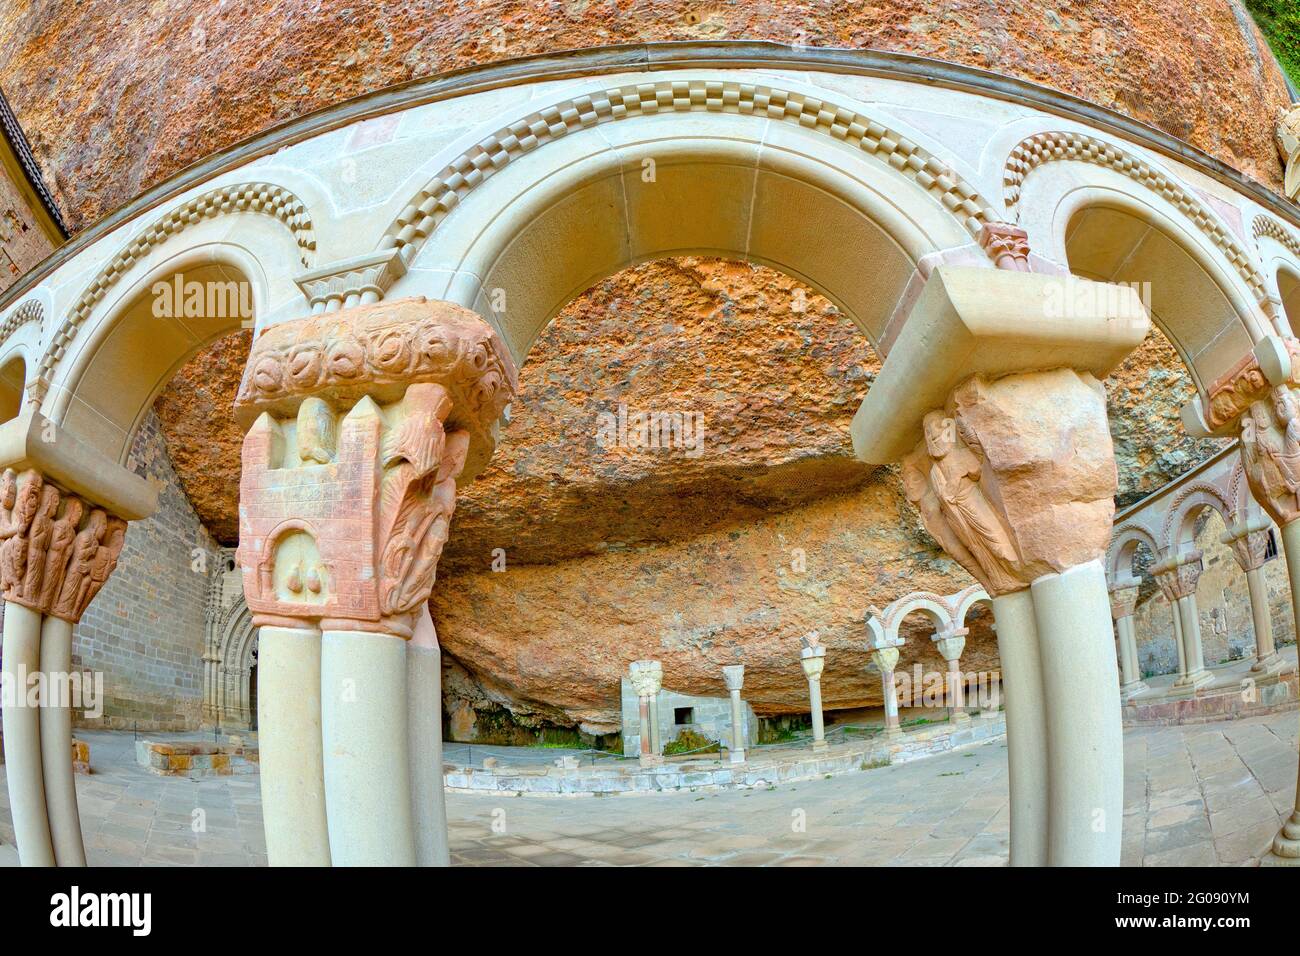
875	764
1279	21
690	741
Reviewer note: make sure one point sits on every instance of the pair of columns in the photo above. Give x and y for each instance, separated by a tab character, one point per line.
359	425
991	398
1177	576
63	520
1123	599
1249	544
647	679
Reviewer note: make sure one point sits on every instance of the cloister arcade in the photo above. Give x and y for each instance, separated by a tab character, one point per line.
1002	246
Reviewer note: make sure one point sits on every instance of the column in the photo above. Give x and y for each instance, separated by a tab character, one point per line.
360	425
58	550
1168	587
885	657
1249	543
734	675
646	678
991	398
1270	441
950	642
1179	574
812	658
1123	598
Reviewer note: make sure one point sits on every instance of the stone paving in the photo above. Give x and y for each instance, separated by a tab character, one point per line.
1196	795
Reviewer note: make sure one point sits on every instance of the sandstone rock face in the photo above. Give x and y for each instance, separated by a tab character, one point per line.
613	553
115	97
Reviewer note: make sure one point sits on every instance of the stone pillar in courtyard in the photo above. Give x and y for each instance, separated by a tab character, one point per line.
1123	599
360	424
991	398
734	675
63	519
1249	543
1270	453
1178	575
812	657
950	642
647	679
885	658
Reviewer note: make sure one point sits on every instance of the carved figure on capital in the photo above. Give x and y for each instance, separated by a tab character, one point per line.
1270	451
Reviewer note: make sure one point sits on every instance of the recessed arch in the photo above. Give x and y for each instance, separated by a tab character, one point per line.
546	226
1124	547
13	376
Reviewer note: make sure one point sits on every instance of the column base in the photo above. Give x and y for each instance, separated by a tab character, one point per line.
1191	683
1271	666
819	745
1129	691
1286	845
735	756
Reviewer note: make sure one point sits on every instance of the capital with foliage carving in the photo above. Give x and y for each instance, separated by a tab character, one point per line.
1249	543
1123	598
646	677
360	423
1178	574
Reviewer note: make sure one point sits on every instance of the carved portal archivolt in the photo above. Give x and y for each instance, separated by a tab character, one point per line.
230	652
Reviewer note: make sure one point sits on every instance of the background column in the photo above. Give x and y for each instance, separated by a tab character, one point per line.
734	675
1123	598
812	658
1249	543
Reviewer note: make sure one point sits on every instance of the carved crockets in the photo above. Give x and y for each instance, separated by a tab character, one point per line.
365	419
1177	576
1270	453
1015	478
55	552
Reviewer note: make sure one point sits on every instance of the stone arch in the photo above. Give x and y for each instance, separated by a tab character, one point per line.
769	176
1190	501
1123	547
963	601
233	643
933	606
108	357
1111	216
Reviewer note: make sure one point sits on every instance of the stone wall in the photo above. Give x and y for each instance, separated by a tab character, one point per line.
145	629
1222	603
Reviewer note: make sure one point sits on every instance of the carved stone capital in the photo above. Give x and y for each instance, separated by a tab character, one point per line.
1251	380
646	677
352	282
361	423
950	642
56	552
1123	599
1007	245
1016	477
1177	575
1288	145
734	676
885	658
813	664
1249	546
1270	453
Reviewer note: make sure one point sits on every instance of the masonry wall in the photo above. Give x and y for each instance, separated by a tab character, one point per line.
1223	605
145	629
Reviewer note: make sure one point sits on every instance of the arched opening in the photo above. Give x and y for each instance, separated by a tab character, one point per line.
13	376
1187	303
171	317
1288	287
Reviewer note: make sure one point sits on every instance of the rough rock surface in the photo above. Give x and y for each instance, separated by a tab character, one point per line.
614	553
118	96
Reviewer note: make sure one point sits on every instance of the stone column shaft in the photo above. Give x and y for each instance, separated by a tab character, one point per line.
56	748
291	758
734	676
1026	716
1286	845
1266	655
1085	770
22	738
812	658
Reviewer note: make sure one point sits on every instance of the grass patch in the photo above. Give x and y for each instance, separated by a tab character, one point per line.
1279	21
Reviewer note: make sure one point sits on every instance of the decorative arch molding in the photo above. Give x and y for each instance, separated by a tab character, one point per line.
1042	148
442	194
946	611
29	311
1124	541
1190	500
232	642
265	198
1268	227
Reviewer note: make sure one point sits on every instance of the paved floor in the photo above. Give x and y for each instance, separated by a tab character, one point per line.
1199	795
